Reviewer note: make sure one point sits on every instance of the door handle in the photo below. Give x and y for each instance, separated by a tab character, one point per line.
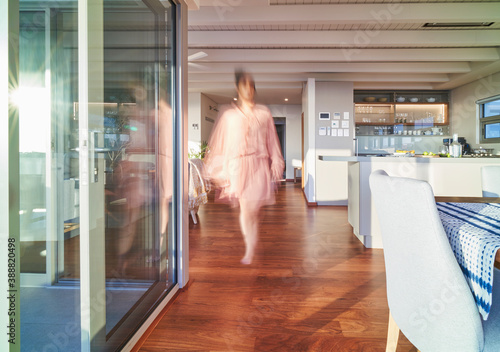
93	157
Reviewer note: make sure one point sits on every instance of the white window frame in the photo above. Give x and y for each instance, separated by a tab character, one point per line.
484	121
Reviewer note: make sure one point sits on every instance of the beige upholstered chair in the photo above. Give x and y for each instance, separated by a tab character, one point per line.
490	180
429	298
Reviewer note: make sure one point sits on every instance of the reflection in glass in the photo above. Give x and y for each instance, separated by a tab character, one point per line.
130	126
492	108
32	100
48	175
492	130
137	151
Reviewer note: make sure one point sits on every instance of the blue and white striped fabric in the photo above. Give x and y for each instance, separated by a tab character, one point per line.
473	230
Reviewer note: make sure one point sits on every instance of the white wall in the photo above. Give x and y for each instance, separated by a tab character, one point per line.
331	177
293	137
308	107
194	118
209	113
202	111
463	117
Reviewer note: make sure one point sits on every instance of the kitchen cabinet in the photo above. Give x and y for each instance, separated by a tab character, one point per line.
401	113
466	182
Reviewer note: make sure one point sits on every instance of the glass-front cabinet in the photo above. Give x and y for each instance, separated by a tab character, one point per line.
407	113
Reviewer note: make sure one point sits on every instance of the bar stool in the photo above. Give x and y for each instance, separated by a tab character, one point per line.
297	165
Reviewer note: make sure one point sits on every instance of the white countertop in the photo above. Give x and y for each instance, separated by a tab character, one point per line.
414	159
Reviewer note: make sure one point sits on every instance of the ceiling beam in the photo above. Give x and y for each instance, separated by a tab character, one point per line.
332	76
302	67
356	39
344	13
213	86
351	55
480	71
393	85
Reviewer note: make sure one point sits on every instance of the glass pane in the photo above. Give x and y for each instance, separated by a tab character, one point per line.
65	126
132	129
137	151
34	112
491	109
49	214
492	130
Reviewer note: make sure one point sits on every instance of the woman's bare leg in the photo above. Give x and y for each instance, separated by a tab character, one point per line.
249	223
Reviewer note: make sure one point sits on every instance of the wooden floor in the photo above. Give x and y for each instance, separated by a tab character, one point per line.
312	287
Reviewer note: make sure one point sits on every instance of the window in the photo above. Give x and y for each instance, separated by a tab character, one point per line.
489	119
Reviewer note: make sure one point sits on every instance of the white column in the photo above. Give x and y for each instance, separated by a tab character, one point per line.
180	198
9	181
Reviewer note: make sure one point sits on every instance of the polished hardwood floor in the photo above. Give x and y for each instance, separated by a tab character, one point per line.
312	286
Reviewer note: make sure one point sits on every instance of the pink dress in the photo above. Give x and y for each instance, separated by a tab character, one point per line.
244	158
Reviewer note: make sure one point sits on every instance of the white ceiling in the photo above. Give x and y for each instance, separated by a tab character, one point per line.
377	44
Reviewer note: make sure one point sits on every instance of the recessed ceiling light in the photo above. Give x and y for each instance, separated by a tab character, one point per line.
457	24
235	99
286	99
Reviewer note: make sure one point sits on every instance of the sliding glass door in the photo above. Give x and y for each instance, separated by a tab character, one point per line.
96	151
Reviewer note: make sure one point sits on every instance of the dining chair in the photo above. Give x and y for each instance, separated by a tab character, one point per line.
490	180
198	187
428	296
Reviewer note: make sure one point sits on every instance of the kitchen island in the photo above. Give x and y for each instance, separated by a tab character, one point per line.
447	176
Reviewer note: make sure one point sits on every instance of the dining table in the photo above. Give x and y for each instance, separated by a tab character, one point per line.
472	225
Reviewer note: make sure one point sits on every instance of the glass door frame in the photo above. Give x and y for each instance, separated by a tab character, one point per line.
9	181
92	282
92	279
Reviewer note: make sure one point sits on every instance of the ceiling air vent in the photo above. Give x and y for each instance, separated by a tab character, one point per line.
457	24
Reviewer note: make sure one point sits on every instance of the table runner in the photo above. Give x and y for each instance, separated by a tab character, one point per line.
473	230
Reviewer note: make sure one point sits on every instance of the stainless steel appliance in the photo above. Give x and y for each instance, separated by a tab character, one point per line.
466	149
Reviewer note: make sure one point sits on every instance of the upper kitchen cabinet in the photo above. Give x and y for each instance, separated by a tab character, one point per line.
426	97
401	113
362	96
402	96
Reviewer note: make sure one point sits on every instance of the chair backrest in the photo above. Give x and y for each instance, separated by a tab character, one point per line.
490	180
427	293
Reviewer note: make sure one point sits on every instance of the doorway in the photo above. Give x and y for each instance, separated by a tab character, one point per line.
280	124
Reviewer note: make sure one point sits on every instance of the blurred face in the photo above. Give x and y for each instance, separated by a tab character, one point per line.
246	88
